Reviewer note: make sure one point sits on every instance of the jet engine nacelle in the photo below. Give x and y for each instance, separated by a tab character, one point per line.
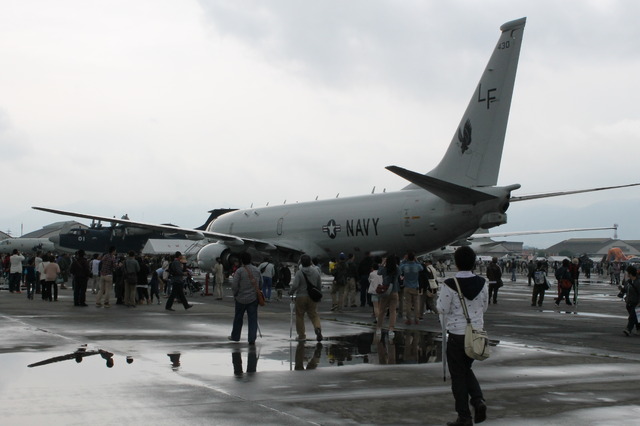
208	254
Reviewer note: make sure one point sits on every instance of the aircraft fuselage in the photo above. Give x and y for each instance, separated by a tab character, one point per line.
393	222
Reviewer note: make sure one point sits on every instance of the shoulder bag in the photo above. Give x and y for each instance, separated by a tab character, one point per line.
476	341
314	293
259	294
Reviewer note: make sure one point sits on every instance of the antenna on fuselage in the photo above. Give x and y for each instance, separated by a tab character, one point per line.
337	195
373	190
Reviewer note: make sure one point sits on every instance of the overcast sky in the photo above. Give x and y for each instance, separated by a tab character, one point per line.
165	109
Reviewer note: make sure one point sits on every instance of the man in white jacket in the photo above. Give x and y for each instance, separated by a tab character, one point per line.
15	271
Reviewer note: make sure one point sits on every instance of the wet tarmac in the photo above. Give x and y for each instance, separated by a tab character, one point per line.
64	365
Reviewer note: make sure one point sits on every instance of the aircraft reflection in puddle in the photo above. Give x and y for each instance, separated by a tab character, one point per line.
406	347
79	355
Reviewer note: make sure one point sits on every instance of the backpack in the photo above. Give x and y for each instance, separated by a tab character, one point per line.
538	277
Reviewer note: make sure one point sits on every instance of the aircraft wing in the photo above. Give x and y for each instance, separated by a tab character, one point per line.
230	240
557	194
548	231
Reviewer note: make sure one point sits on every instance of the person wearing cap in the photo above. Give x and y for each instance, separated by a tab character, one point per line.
81	271
176	276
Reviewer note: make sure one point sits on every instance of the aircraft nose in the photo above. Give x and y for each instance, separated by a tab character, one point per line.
55	239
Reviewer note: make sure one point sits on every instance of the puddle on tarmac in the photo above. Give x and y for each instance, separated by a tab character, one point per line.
406	347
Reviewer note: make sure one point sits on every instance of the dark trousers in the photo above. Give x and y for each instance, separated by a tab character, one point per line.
633	319
538	294
177	292
46	290
563	294
155	291
79	291
364	289
252	316
143	294
14	281
119	290
493	292
464	384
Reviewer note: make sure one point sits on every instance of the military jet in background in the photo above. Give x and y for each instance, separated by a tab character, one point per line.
447	204
125	237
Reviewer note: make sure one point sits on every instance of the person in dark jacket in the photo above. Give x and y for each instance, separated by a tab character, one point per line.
565	283
494	275
176	276
81	271
632	298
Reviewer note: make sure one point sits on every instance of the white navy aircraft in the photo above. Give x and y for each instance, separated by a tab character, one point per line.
447	204
26	245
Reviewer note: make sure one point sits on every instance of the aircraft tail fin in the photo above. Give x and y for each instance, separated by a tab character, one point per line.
474	155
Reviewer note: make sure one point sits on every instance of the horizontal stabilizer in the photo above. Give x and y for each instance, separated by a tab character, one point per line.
450	192
557	194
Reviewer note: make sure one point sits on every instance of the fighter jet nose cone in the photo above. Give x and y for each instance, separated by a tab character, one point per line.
55	239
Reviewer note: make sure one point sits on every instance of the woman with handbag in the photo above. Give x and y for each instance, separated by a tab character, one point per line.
245	286
306	277
464	384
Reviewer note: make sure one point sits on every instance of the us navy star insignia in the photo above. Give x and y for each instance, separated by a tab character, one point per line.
331	228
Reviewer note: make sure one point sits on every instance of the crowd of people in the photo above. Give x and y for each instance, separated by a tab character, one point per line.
128	280
396	289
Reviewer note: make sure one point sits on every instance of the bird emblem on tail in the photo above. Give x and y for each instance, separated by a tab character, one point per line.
465	136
